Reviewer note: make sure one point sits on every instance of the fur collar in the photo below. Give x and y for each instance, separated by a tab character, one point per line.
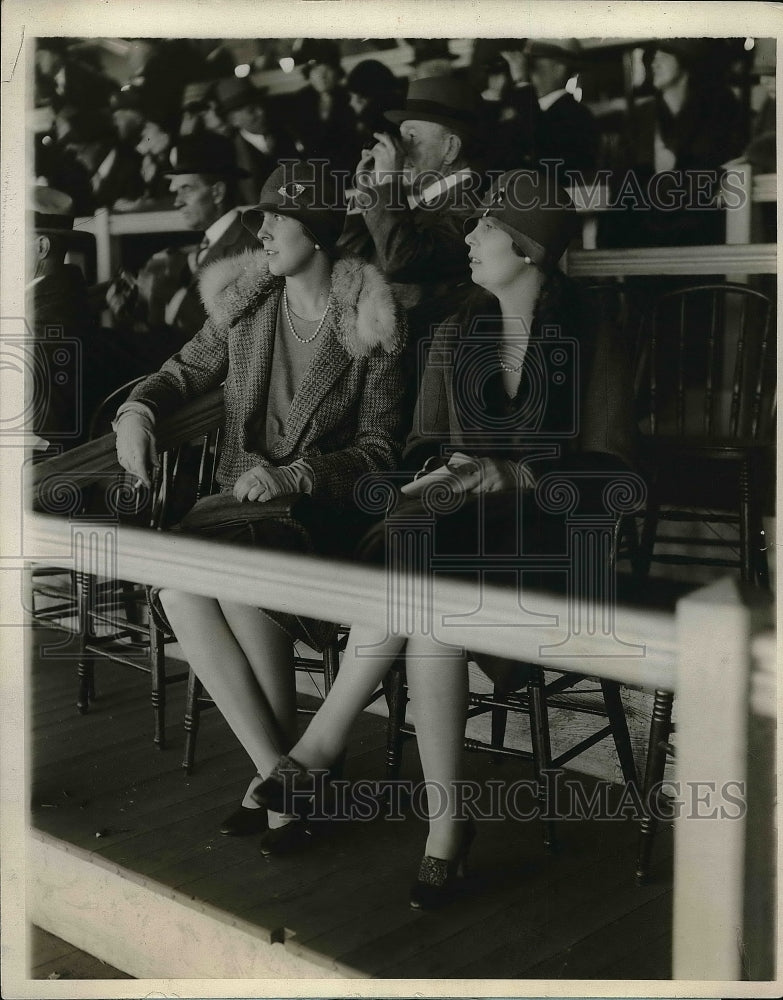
367	315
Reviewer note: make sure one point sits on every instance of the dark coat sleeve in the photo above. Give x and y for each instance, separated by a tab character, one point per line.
431	426
423	246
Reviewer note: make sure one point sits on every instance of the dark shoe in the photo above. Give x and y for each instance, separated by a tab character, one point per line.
294	836
243	822
290	788
437	881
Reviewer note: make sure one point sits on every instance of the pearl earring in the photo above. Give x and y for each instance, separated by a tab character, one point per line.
317	246
527	260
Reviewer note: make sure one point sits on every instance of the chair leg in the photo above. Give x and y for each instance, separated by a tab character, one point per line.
647	541
620	734
85	667
331	658
747	541
158	677
396	700
757	542
660	730
192	718
542	751
498	721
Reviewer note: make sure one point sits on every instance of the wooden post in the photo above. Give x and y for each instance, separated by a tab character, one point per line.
739	220
103	244
714	631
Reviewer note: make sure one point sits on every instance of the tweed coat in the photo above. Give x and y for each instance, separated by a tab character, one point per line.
345	418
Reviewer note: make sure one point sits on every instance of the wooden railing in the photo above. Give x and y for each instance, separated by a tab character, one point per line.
109	228
702	653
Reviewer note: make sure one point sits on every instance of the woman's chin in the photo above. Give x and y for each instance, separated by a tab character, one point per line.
476	276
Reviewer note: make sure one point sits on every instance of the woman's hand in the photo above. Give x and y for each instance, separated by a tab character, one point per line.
463	474
265	482
136	450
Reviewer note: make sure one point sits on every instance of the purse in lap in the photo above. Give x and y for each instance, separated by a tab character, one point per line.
221	515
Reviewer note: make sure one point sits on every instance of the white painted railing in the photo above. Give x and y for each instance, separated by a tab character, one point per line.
702	653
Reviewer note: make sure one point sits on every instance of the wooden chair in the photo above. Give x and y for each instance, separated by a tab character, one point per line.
706	396
110	615
533	694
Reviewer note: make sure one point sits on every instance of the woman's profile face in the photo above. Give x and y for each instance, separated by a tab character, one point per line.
288	247
493	261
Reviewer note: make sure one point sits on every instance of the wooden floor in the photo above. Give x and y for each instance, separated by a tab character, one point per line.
99	783
52	958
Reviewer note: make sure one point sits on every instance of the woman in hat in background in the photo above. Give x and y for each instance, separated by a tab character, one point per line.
372	90
481	411
309	348
319	116
691	126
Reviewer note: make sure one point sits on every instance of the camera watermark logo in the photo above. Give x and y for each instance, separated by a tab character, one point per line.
44	370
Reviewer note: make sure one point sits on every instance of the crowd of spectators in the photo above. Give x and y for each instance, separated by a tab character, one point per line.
107	144
188	131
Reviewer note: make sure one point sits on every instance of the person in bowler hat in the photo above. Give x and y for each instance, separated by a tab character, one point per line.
414	192
258	142
162	301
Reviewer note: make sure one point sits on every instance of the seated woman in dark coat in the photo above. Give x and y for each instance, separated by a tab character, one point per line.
309	348
505	397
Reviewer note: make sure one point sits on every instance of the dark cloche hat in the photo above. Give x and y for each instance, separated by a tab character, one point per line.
205	153
309	52
305	191
371	78
536	213
444	100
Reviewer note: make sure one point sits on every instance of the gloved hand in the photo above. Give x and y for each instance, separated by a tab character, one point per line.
265	482
136	450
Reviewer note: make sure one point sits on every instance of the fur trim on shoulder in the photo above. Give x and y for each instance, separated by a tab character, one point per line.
371	318
367	315
231	285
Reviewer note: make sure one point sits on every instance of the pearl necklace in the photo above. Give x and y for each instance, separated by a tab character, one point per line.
304	340
509	368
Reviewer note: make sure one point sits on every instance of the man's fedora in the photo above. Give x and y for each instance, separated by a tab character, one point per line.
565	50
205	153
50	212
195	96
427	49
233	93
443	100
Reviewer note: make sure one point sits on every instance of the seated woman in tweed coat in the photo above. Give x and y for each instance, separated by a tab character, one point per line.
309	348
